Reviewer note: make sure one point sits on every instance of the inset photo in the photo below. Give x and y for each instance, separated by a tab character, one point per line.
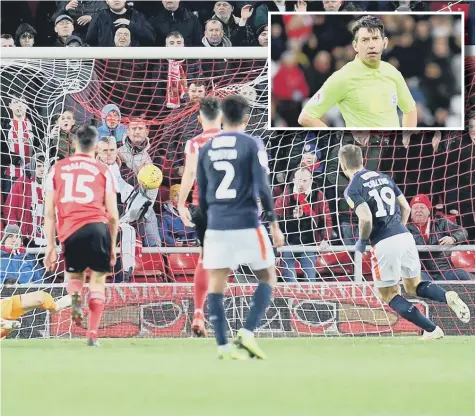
377	71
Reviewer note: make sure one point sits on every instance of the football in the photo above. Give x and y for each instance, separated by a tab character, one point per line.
150	177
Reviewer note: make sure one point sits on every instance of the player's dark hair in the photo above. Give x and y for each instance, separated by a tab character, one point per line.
87	137
371	23
234	108
351	155
210	108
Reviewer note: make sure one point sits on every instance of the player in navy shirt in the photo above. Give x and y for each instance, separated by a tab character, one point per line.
383	213
232	176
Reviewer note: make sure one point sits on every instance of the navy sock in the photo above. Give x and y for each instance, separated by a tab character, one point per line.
261	300
217	317
411	313
430	290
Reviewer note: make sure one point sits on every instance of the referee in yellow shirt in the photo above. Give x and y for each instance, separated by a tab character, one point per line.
366	90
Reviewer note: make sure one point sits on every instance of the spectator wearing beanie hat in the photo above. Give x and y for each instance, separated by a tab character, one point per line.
262	35
173	231
64	29
25	35
427	230
73	41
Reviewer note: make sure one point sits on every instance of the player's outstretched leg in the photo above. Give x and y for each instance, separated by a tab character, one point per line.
74	288
430	290
261	300
216	307
409	311
200	288
97	288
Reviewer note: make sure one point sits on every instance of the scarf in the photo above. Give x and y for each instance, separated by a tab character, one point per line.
37	213
176	83
424	229
301	199
224	42
20	139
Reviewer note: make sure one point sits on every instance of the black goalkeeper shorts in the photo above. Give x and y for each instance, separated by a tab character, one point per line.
90	246
200	222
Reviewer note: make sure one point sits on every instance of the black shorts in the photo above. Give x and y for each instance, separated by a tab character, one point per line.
90	246
200	222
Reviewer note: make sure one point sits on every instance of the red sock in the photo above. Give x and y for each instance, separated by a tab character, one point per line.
74	285
200	286
96	307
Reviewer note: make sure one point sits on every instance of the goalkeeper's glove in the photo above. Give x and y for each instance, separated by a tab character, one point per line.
360	245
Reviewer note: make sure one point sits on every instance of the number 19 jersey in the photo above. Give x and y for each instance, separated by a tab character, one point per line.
380	193
80	184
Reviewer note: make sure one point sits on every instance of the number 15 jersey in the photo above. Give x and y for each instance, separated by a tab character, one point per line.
80	184
380	193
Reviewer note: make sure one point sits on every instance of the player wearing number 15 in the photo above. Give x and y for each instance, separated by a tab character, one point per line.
366	90
383	213
82	192
232	175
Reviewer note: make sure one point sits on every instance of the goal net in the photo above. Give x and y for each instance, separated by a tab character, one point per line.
323	287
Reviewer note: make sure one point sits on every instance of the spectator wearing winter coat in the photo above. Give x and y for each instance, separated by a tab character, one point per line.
235	28
111	123
16	266
305	219
24	206
135	154
101	29
82	12
174	17
25	35
173	231
435	231
64	29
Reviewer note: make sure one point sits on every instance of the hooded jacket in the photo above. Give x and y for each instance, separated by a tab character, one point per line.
19	266
23	28
119	132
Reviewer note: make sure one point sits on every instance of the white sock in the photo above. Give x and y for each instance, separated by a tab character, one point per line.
224	348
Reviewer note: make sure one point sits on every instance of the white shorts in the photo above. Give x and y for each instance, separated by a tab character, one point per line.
394	258
227	249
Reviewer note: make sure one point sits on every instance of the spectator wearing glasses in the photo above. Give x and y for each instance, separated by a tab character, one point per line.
25	35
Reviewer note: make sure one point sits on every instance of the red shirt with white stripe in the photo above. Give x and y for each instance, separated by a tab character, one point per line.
193	146
20	141
80	184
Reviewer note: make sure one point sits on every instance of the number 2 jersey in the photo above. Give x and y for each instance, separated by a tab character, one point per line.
193	146
231	176
380	193
80	184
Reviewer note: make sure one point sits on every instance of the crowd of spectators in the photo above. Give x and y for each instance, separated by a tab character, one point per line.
435	171
426	50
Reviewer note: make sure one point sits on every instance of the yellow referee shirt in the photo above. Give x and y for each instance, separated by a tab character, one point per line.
367	97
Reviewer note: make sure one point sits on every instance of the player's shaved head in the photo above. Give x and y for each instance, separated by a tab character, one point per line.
210	108
350	157
87	138
235	109
371	23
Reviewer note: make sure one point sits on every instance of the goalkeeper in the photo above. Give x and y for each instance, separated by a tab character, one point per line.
366	90
16	306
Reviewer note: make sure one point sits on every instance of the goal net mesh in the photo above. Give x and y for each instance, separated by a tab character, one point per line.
44	101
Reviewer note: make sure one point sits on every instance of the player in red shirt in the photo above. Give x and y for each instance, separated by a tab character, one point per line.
210	119
81	199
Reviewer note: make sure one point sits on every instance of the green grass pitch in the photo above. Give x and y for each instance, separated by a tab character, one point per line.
181	377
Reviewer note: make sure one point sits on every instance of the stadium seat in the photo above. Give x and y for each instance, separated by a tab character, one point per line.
149	264
182	264
334	264
463	260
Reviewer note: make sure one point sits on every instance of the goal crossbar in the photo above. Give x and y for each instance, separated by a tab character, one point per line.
135	53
